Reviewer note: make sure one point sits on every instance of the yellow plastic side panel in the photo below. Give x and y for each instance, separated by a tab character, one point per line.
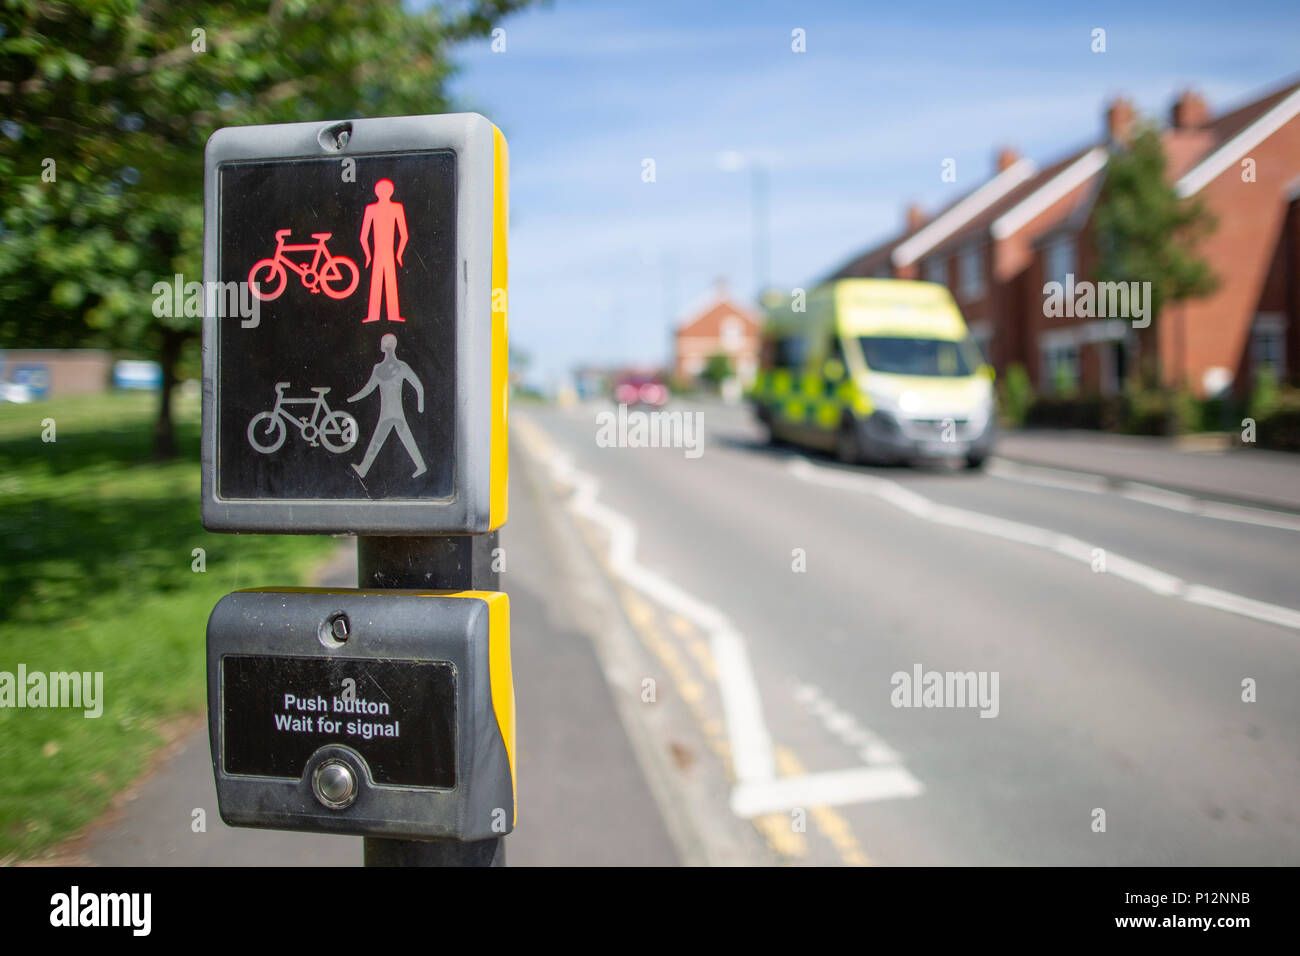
500	675
503	684
500	456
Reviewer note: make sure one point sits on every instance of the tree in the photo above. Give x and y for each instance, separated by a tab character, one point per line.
1146	232
717	369
106	107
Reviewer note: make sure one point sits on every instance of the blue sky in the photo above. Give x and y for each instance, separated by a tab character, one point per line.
602	263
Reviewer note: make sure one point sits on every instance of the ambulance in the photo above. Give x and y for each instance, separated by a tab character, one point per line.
880	371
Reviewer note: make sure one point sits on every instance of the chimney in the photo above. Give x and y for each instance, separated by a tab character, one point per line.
915	217
1119	120
1189	111
1007	157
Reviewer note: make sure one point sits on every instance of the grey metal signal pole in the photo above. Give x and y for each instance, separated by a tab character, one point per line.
447	562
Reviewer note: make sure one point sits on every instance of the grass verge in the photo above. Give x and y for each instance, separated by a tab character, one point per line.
98	572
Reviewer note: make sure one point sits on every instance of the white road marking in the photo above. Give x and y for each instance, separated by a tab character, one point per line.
1220	511
1138	491
829	788
758	789
1160	497
1153	579
1243	515
1236	604
751	745
870	748
1047	477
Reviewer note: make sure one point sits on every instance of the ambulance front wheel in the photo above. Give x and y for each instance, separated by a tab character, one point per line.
848	444
769	435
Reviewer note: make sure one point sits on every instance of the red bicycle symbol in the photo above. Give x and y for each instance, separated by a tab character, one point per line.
326	272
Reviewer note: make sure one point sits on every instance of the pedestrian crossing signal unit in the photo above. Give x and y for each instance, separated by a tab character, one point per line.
367	391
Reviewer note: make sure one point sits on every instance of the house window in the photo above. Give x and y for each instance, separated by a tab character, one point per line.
1268	344
732	333
1058	260
935	270
1060	367
970	273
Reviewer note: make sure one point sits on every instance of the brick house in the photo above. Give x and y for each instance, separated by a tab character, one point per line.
718	325
954	248
59	371
1219	340
997	246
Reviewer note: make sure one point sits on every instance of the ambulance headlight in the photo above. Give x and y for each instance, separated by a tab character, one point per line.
910	402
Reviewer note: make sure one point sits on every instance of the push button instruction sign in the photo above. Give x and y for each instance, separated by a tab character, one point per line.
399	716
313	716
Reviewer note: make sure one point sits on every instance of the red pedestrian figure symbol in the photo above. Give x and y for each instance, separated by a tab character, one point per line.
382	218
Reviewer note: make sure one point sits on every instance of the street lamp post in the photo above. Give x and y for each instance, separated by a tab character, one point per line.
732	161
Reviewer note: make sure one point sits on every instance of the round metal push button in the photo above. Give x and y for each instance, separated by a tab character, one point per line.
334	784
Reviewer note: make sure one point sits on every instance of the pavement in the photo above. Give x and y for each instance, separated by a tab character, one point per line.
714	657
1193	465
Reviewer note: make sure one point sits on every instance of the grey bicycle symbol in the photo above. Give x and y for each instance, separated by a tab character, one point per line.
337	431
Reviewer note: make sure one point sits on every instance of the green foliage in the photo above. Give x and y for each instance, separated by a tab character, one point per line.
1160	411
122	95
717	369
1145	231
1265	395
1063	383
1215	414
1278	421
1093	412
683	386
1137	411
1017	394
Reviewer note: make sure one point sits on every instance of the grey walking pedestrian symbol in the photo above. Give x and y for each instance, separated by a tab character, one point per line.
390	374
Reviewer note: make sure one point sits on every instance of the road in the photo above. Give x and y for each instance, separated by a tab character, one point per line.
775	595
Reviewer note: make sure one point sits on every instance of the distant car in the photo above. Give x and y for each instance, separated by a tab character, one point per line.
15	392
640	390
136	374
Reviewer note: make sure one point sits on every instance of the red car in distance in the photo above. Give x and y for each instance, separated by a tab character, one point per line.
639	388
